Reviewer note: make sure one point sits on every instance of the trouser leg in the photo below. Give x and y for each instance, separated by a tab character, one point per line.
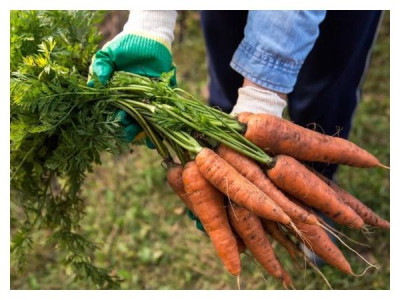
223	31
329	84
327	90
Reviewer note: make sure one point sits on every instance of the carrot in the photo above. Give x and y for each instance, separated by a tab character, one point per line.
319	242
244	117
250	229
284	240
318	236
279	136
208	204
287	280
236	187
241	246
295	179
278	235
249	169
368	216
174	178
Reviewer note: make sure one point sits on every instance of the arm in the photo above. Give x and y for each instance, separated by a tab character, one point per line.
270	56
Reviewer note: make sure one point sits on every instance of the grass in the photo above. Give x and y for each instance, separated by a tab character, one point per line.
144	235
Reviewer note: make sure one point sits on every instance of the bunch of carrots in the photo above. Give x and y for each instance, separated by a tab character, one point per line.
243	176
243	204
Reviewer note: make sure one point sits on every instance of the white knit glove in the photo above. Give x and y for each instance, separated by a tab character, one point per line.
255	100
155	24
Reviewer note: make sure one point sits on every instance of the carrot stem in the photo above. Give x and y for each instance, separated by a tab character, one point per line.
162	150
222	137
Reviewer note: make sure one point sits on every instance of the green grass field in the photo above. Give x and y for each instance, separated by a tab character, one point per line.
146	238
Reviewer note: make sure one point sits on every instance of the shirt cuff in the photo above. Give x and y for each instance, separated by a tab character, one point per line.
268	70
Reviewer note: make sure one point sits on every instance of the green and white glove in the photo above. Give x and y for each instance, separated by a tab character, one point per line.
144	48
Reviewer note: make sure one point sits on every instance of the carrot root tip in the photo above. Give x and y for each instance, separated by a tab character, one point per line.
352	250
319	272
367	230
384	166
365	271
238	281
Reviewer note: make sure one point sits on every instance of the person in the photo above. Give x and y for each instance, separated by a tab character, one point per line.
313	62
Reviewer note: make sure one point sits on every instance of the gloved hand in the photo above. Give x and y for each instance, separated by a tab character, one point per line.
144	48
257	100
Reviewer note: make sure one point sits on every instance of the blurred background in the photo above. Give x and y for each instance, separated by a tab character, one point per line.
142	229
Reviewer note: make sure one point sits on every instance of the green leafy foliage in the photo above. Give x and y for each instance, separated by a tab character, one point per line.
60	126
56	139
74	31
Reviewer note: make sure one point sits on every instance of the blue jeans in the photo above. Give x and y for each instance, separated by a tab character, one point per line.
328	85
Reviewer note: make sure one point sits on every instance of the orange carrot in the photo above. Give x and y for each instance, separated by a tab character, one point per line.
249	169
244	117
287	280
279	136
241	246
295	179
174	178
278	235
208	204
250	229
282	238
360	208
318	241
236	187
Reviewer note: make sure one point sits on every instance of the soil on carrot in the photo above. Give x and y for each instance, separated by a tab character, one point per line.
142	229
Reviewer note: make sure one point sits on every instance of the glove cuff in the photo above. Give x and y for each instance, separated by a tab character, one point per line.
154	24
255	100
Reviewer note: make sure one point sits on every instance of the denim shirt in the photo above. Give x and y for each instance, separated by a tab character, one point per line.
275	45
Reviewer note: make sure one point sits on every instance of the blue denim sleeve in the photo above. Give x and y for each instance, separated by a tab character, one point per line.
275	45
